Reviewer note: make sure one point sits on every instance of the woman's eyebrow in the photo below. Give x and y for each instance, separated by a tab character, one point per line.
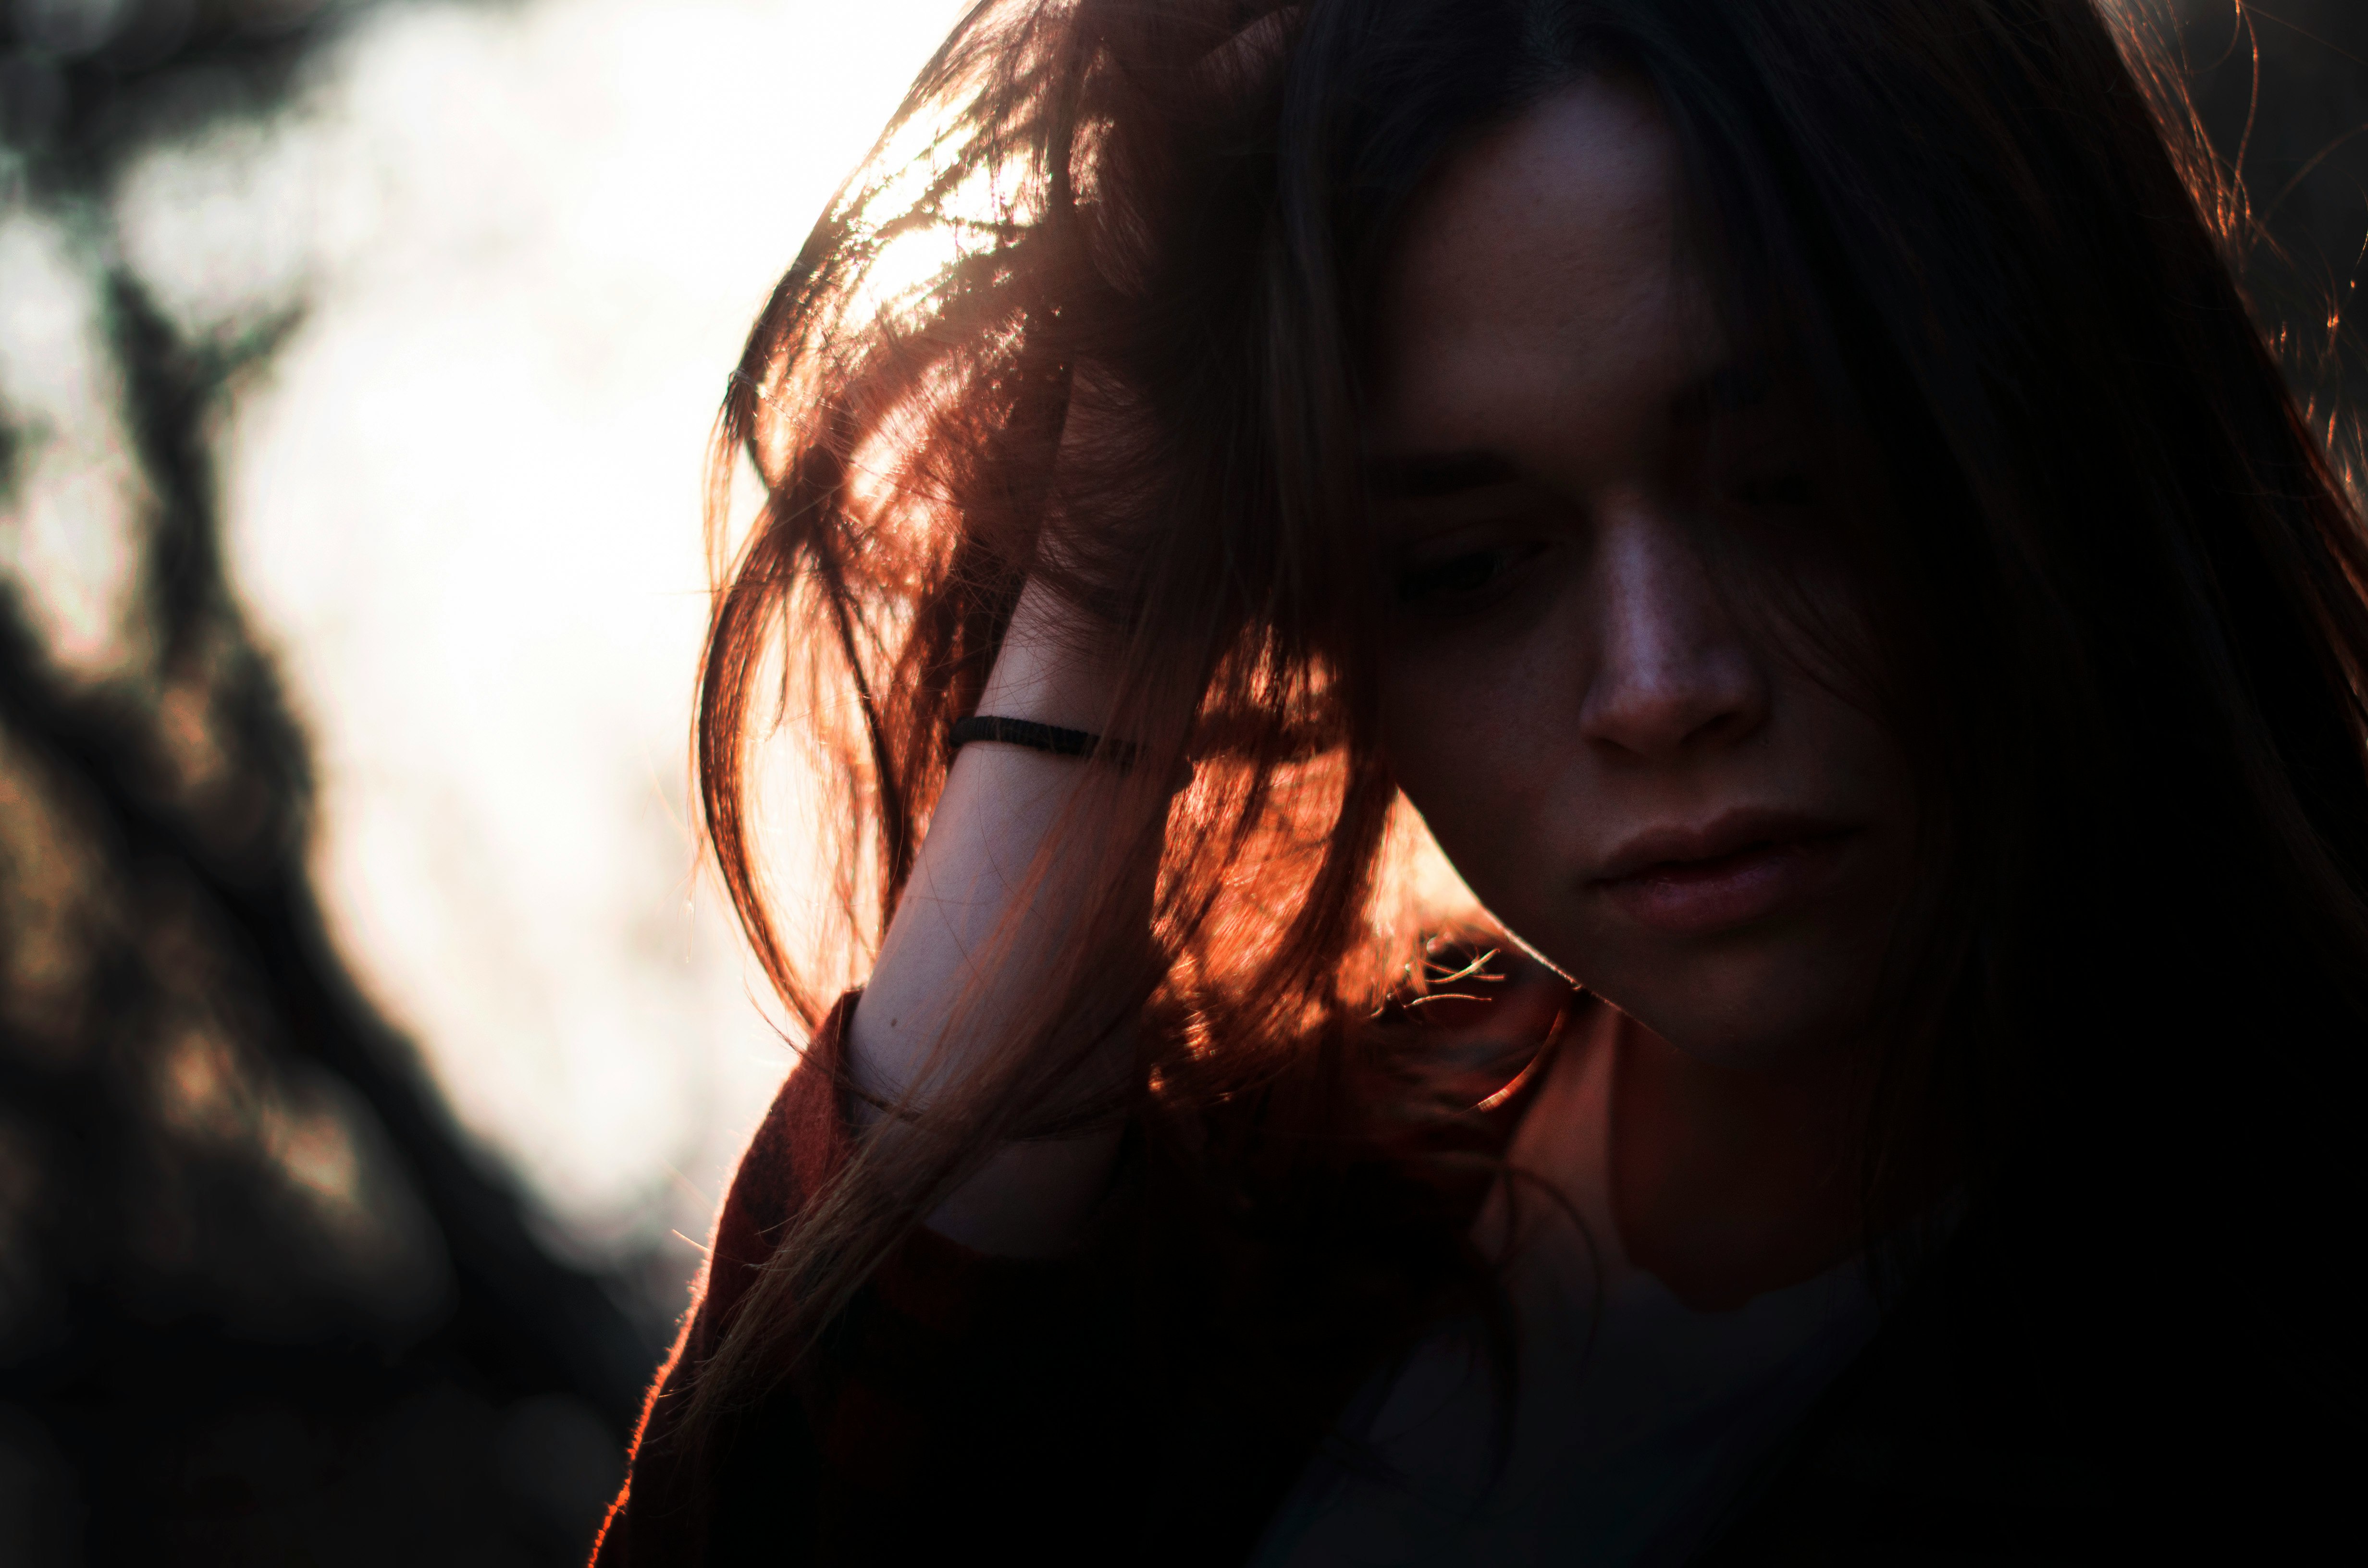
1442	473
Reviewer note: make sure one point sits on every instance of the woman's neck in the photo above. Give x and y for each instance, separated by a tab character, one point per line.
1727	1184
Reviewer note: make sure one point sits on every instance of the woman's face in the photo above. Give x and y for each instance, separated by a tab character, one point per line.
1603	539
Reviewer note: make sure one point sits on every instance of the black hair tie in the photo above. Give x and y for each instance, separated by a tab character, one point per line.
1040	737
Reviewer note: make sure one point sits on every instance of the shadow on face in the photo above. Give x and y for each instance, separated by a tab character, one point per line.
1585	496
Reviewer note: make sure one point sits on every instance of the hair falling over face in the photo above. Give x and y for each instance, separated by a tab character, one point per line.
1099	310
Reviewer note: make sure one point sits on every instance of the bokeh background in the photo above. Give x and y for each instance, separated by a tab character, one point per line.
372	1051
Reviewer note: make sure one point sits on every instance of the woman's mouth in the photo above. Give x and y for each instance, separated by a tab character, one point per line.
1739	868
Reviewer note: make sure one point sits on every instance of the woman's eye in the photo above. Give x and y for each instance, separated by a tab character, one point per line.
1457	580
1777	490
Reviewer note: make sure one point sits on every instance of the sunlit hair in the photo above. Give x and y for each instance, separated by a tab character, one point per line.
2117	586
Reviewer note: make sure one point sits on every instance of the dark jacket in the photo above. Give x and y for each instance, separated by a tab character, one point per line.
1152	1398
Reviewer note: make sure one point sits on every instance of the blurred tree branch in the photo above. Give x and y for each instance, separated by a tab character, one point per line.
258	1296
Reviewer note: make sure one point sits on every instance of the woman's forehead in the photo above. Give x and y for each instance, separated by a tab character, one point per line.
1547	267
1600	147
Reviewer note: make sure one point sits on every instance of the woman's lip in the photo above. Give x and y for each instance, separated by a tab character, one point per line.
1741	869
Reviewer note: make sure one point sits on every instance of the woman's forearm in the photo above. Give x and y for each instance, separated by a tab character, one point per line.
961	951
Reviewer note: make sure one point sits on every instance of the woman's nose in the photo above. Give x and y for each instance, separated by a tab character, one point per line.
1670	671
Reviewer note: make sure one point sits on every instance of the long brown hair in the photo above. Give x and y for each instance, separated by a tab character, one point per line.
2123	584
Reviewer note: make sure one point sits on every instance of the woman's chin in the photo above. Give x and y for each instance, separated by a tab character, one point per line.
1767	1015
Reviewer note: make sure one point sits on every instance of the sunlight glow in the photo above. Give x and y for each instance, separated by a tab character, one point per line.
463	502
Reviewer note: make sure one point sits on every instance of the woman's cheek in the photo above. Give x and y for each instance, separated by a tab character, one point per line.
1433	728
1471	789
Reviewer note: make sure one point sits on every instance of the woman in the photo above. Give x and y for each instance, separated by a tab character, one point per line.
1784	494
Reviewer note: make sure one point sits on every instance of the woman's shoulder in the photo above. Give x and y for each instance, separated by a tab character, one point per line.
797	1150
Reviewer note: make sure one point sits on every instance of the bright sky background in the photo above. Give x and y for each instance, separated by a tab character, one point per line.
463	503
